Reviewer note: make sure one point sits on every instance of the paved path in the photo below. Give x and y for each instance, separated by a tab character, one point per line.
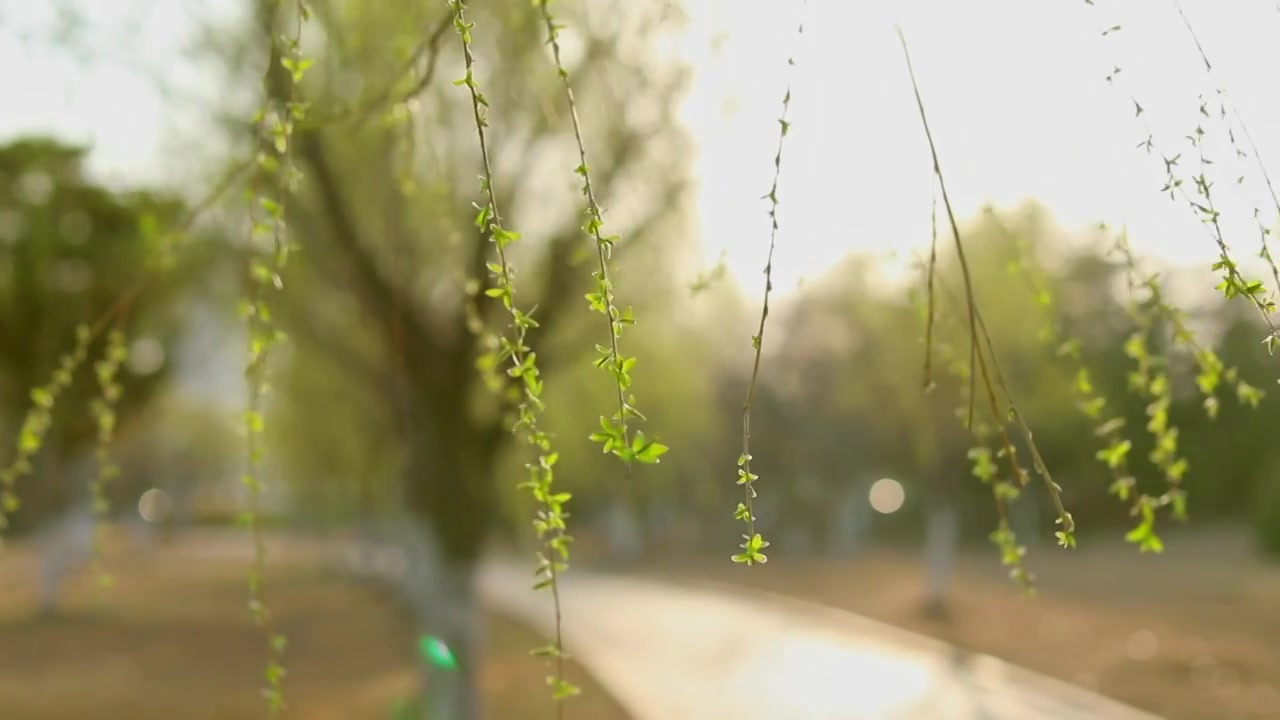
680	652
672	652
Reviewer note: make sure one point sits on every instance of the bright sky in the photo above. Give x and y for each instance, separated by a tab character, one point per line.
1018	105
1014	89
108	96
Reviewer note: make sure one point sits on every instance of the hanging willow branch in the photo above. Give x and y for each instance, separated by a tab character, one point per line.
550	522
753	542
977	357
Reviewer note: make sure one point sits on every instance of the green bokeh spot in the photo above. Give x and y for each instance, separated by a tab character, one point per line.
436	652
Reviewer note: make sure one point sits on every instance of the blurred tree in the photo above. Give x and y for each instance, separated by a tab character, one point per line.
70	250
849	404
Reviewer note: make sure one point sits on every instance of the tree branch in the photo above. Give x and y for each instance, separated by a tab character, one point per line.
306	322
428	49
381	296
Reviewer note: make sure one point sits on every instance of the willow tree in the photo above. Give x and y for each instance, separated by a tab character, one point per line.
392	283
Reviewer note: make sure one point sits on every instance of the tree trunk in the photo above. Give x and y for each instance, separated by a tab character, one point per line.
452	505
850	521
66	545
144	531
442	598
623	529
942	535
66	540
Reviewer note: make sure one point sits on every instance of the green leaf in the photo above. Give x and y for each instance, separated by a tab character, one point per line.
561	689
42	398
650	453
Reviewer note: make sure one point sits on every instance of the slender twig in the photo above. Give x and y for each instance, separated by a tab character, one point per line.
276	177
932	268
984	469
753	543
1265	252
946	201
1233	282
359	113
611	358
1066	536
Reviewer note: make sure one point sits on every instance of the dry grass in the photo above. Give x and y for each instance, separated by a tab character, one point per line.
1194	633
175	641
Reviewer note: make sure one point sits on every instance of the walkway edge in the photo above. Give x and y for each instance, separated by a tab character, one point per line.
527	610
1100	705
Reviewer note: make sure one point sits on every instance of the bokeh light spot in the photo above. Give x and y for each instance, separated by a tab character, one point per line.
887	496
146	356
1142	645
154	505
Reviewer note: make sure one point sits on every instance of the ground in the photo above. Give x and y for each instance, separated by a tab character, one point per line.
1191	634
174	640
